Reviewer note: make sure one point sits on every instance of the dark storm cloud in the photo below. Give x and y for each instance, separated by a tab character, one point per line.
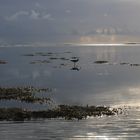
64	20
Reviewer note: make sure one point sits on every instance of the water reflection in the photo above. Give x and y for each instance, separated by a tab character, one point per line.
75	68
106	53
93	136
96	84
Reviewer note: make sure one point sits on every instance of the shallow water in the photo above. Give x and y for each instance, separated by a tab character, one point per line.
122	127
115	83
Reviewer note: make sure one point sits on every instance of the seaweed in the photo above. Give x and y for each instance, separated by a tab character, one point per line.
134	64
24	94
124	63
29	54
62	111
3	62
40	62
101	62
53	58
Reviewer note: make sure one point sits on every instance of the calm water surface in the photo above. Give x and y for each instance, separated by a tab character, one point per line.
115	83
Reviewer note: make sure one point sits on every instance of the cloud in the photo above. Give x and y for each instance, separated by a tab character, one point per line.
68	21
38	15
17	15
37	5
33	14
36	74
68	11
47	16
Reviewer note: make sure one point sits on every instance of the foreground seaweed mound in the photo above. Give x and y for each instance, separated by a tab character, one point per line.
62	111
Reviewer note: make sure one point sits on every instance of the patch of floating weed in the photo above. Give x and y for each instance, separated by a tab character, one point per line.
40	62
29	54
134	64
62	111
24	94
101	62
3	62
63	58
53	58
124	63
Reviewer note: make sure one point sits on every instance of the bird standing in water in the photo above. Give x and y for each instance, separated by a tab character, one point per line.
74	60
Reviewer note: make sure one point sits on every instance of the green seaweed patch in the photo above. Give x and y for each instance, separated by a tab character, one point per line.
63	58
53	58
134	64
62	64
3	62
124	63
40	62
41	54
62	111
130	64
29	54
24	94
44	54
101	62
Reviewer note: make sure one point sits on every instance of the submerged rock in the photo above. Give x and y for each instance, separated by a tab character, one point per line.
101	62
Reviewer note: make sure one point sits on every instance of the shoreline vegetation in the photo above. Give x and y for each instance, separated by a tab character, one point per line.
28	95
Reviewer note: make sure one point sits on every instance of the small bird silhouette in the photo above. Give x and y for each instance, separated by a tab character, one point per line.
74	59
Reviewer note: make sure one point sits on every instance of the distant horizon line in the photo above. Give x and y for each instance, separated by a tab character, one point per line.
103	44
41	44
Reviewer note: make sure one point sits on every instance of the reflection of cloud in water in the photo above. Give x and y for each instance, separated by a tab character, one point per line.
47	73
106	53
105	73
127	96
100	52
17	73
38	74
35	74
114	97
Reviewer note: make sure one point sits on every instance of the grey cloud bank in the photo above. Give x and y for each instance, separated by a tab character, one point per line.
69	21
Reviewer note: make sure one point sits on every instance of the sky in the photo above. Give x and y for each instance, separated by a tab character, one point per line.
69	21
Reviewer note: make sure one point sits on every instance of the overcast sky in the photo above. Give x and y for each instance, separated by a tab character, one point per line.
23	21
